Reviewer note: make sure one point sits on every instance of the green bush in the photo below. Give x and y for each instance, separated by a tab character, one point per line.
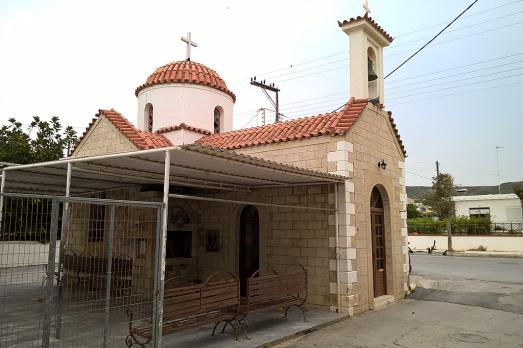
460	225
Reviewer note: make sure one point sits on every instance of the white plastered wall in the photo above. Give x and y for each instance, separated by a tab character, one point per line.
191	104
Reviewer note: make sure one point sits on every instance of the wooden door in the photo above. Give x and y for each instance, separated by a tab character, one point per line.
249	245
378	243
378	254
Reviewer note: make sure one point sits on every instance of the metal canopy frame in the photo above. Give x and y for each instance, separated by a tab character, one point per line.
189	165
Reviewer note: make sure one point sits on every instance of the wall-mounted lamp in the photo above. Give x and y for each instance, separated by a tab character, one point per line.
382	164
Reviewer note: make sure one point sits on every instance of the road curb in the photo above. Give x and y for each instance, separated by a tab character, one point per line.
478	254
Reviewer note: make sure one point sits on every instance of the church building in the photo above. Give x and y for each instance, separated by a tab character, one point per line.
358	267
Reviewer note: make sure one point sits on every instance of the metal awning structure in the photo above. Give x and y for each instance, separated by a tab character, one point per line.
190	165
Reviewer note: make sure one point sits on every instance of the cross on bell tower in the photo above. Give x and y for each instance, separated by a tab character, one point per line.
189	43
366	7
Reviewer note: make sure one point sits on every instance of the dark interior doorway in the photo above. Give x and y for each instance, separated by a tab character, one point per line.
378	243
249	245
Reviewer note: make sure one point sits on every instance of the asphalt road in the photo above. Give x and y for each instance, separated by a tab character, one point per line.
493	283
506	270
458	302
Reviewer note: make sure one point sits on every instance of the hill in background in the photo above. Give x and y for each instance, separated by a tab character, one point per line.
418	192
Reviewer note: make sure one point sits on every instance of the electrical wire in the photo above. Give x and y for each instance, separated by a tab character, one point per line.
434	38
453	81
452	87
458	29
454	93
291	66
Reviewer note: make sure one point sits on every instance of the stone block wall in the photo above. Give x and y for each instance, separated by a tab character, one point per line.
103	138
374	140
307	153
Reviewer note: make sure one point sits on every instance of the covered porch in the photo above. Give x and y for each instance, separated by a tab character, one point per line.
219	212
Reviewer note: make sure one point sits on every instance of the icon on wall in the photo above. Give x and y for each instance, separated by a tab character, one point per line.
213	241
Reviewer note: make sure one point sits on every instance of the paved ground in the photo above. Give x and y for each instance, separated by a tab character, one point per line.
459	302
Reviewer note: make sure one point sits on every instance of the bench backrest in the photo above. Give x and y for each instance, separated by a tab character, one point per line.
86	263
274	286
201	298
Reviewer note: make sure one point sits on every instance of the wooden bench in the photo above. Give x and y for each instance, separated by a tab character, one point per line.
89	270
281	289
211	302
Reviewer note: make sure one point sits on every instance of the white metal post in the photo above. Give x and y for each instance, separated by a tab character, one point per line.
2	186
46	327
157	342
336	224
63	236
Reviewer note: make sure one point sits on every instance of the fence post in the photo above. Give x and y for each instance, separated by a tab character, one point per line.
158	248
46	334
63	236
107	319
2	188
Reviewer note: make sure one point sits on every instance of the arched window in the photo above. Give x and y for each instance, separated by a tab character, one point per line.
376	201
148	117
218	112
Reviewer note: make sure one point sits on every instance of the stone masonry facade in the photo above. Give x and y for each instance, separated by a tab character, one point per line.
289	237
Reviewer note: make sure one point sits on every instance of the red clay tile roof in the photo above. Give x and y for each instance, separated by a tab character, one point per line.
371	21
183	126
186	71
334	123
397	133
141	139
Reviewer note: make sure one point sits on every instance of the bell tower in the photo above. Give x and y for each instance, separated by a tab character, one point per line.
366	42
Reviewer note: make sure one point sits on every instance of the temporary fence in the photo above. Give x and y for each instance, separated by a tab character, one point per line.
73	270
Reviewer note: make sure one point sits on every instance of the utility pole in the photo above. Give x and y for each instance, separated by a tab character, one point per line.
449	215
497	161
270	87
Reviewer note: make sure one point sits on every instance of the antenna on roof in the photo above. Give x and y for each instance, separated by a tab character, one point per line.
271	87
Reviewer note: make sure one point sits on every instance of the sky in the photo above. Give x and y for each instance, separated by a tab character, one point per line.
455	102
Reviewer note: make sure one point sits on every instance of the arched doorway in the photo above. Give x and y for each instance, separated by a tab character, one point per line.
249	245
378	242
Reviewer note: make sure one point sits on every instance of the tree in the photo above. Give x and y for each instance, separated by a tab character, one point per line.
412	212
43	141
440	198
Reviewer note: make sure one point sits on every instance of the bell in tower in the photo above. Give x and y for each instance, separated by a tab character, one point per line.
370	73
367	40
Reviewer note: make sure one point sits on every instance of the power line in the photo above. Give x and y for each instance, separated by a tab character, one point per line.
406	51
478	171
291	66
453	81
421	176
459	67
414	77
462	85
461	37
434	38
460	28
467	16
454	94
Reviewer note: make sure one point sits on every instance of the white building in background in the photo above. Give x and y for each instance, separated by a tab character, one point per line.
500	207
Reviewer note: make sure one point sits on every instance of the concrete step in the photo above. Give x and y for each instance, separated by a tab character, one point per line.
382	301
